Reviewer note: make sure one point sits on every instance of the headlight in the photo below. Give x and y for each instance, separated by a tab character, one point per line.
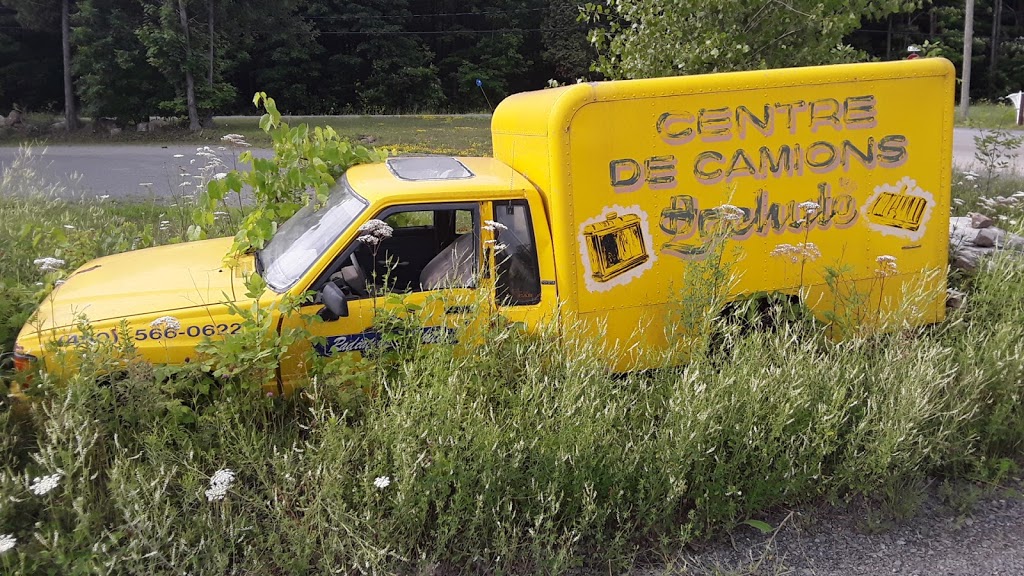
23	361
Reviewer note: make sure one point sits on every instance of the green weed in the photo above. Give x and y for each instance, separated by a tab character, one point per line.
504	452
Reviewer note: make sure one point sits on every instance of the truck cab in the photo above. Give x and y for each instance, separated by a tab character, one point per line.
456	225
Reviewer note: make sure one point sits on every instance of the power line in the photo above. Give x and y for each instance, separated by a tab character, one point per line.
386	16
407	33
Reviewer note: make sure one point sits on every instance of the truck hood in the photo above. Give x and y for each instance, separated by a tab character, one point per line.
148	281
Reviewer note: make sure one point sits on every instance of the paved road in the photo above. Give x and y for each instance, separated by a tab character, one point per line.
134	172
157	171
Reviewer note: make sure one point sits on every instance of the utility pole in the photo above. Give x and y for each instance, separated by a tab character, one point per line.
70	114
965	81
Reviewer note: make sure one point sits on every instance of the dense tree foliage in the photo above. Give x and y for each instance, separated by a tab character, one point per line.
644	38
136	58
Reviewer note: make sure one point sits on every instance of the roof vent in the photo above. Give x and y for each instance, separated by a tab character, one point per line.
428	168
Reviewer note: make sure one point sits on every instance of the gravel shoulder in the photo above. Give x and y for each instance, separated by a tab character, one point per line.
957	530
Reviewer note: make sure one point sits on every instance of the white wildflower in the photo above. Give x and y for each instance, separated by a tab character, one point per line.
809	207
886	266
970	176
48	264
382	482
499	247
958	202
166	322
491	226
784	251
219	484
220	175
41	486
369	240
7	542
103	196
373	231
730	213
235	140
802	251
809	251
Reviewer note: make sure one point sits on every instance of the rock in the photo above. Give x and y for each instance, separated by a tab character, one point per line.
1014	242
15	118
115	131
955	299
967	258
368	140
987	237
103	124
157	123
142	127
980	220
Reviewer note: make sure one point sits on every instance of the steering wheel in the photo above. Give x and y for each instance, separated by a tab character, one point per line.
355	277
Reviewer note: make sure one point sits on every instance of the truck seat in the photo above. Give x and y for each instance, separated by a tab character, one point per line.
453	267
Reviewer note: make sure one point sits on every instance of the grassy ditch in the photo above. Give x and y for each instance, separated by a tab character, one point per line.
467	135
523	456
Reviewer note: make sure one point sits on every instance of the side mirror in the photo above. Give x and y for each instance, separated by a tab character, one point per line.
335	304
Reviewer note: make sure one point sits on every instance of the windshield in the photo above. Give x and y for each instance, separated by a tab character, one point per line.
304	238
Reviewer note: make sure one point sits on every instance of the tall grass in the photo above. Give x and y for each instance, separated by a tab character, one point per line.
41	218
522	455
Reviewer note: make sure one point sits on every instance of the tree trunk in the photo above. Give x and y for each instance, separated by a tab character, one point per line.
888	39
965	84
70	116
209	5
190	85
997	17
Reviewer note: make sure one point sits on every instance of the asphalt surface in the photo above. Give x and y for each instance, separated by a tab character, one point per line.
138	172
128	172
965	531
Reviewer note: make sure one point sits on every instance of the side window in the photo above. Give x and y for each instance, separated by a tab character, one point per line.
515	257
430	248
411	219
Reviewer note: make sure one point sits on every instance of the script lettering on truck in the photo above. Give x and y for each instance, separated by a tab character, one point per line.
731	149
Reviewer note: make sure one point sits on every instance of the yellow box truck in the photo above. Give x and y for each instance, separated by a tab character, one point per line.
598	198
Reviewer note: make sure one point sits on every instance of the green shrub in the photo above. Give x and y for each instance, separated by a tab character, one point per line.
507	452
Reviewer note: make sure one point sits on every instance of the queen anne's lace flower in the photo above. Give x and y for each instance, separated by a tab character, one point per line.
809	207
235	140
886	266
166	322
42	485
219	484
730	213
382	482
7	542
802	251
374	231
491	226
48	264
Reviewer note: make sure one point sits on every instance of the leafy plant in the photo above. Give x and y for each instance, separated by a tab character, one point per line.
994	150
250	358
306	164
